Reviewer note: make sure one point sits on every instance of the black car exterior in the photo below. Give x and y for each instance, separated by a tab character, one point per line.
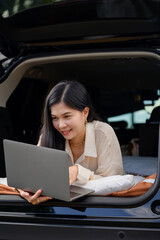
79	31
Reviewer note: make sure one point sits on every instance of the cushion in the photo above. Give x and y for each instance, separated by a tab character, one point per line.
107	185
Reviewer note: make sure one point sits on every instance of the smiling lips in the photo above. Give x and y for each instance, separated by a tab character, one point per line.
65	132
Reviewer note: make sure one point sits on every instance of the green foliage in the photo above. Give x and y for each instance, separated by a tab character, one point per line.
8	7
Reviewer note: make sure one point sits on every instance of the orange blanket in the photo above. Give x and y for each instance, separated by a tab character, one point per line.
137	190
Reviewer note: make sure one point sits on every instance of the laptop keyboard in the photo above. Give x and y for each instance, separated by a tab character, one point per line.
74	194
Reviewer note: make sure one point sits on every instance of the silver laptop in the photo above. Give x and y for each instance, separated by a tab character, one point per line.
31	167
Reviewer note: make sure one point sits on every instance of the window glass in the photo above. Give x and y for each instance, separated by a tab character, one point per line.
137	117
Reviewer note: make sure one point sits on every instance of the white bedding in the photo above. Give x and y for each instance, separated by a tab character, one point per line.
3	181
107	185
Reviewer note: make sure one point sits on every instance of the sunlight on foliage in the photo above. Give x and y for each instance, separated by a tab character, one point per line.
9	8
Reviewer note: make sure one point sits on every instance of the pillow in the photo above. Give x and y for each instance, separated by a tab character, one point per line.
3	181
107	185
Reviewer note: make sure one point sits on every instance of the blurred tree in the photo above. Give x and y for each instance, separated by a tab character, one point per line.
8	7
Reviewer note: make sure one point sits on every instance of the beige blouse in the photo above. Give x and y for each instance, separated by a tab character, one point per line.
102	155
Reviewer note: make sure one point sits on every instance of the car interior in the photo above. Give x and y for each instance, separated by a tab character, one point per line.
124	89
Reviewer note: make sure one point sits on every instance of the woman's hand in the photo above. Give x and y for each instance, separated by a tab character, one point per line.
73	172
34	199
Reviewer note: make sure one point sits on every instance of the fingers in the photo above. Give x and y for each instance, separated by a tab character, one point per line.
35	198
43	199
23	193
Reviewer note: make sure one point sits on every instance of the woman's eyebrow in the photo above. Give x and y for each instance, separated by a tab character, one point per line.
67	113
62	114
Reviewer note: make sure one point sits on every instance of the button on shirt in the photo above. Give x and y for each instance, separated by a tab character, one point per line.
102	155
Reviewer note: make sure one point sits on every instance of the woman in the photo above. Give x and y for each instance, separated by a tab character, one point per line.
71	124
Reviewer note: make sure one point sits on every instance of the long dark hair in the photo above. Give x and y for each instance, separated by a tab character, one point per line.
75	96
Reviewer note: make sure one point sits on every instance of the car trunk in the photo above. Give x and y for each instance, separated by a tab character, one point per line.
120	83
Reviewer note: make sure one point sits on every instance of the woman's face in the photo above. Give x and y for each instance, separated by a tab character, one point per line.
68	121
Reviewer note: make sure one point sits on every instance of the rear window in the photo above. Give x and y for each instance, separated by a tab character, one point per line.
137	117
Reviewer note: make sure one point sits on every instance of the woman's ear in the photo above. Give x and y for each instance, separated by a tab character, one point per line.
86	112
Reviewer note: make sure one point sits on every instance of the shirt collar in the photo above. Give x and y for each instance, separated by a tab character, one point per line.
90	145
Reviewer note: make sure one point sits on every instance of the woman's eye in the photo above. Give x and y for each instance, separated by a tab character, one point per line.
54	118
67	116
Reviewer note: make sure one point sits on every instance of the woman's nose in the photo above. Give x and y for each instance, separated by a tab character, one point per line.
62	124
